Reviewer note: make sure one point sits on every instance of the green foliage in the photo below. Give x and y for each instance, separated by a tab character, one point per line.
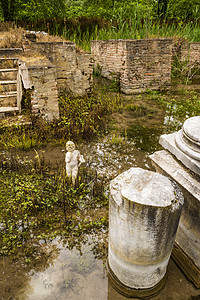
136	27
8	9
162	8
97	70
177	111
183	10
18	138
31	10
80	118
140	110
83	117
36	205
179	106
82	20
117	139
111	10
115	85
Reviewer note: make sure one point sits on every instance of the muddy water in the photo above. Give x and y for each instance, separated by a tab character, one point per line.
78	275
72	276
75	272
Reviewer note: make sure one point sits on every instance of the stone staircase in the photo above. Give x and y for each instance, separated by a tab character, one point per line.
8	86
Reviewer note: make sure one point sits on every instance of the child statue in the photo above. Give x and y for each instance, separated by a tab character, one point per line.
73	160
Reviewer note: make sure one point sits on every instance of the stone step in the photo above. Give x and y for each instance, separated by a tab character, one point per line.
8	111
8	94
8	99
10	52
8	63
8	85
8	74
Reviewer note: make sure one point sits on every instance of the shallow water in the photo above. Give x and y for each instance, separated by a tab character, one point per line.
77	275
72	276
76	272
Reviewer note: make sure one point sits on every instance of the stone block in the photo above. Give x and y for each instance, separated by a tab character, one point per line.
185	144
187	243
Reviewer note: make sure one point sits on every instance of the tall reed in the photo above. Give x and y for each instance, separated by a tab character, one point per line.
135	29
124	25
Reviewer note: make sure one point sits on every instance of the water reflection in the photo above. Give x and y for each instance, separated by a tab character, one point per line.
15	280
72	276
74	273
111	159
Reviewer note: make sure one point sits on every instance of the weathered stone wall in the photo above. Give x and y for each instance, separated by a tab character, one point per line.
47	68
42	80
44	98
194	53
186	52
140	64
148	65
73	69
10	52
109	57
85	67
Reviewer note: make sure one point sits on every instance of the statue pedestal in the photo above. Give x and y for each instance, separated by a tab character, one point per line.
182	163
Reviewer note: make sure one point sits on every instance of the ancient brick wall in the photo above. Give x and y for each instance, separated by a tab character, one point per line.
140	64
194	53
44	98
148	65
73	69
109	57
42	80
186	52
10	52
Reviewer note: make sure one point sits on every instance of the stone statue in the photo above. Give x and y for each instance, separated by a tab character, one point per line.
73	160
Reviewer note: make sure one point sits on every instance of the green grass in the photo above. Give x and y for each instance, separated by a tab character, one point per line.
131	25
136	29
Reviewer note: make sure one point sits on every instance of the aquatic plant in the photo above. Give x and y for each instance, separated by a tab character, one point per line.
140	110
80	118
85	117
36	204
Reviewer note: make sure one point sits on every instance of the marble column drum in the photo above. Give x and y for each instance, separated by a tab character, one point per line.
144	212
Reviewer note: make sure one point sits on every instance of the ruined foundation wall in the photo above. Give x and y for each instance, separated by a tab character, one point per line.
109	57
73	70
44	98
189	52
10	52
140	64
195	53
148	65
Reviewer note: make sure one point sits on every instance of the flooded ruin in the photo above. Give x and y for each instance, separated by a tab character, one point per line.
73	266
